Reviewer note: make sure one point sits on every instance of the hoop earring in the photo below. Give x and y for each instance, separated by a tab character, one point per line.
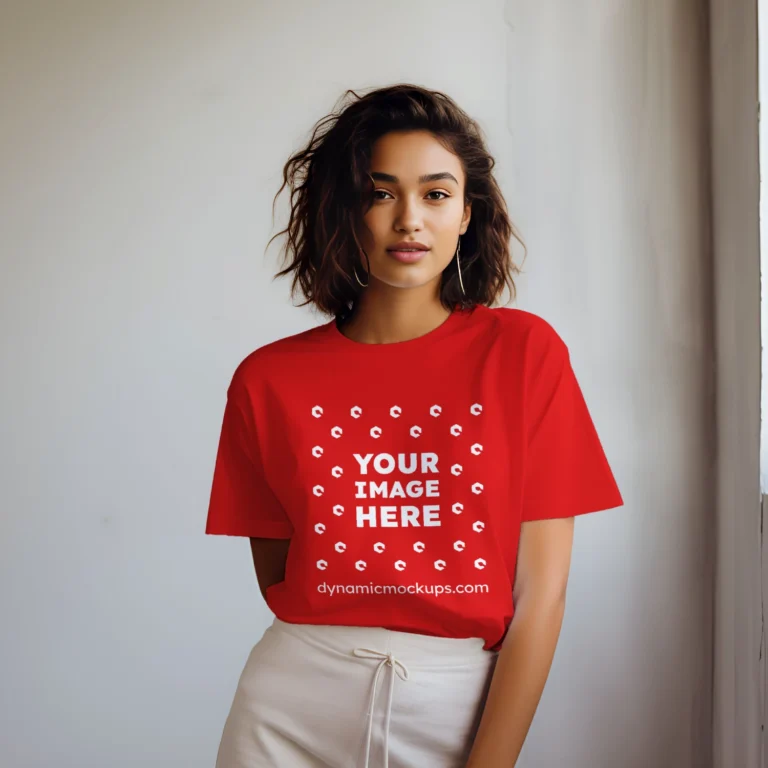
365	285
458	267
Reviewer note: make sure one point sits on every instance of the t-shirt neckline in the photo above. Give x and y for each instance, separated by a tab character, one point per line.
444	329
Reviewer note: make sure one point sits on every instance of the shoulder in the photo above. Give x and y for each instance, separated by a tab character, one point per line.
526	331
282	355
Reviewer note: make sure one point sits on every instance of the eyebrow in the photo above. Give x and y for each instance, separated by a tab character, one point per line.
422	179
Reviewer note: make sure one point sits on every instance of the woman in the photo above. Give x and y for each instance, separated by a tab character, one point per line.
407	473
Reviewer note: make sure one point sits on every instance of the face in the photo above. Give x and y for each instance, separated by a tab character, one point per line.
408	208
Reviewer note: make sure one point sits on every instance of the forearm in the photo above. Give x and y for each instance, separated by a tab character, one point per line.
269	556
522	668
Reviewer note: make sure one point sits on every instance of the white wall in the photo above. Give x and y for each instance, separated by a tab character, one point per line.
137	168
607	109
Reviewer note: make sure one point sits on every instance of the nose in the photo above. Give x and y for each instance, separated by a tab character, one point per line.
408	217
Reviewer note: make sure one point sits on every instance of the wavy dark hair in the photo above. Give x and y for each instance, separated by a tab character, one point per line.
330	192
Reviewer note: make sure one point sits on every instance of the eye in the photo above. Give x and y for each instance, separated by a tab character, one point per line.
433	192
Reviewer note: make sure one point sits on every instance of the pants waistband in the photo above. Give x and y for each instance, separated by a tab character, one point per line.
411	647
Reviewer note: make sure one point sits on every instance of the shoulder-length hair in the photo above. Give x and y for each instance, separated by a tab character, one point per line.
330	192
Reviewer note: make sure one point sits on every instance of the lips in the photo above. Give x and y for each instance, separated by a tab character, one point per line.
406	245
408	257
408	251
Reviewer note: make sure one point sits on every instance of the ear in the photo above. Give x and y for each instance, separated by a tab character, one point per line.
465	218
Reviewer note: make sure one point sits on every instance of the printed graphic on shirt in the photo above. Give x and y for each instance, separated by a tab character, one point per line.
398	498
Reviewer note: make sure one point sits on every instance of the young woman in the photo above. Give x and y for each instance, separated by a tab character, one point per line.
408	473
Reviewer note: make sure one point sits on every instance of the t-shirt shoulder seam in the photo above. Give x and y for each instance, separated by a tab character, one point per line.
528	322
253	363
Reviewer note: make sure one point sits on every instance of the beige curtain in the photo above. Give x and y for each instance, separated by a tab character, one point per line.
738	666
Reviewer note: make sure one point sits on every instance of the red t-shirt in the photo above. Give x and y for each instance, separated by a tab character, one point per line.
402	472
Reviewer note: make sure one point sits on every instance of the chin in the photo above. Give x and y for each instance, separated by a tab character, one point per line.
410	278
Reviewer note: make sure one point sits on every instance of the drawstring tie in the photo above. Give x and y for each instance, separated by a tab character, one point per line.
402	672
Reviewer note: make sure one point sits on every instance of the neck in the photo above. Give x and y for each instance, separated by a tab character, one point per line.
390	316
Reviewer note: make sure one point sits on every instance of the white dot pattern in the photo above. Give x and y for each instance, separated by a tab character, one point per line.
418	548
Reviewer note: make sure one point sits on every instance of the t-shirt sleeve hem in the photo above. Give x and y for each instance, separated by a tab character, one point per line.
553	512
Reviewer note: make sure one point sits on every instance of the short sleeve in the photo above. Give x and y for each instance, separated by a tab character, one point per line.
242	503
566	470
